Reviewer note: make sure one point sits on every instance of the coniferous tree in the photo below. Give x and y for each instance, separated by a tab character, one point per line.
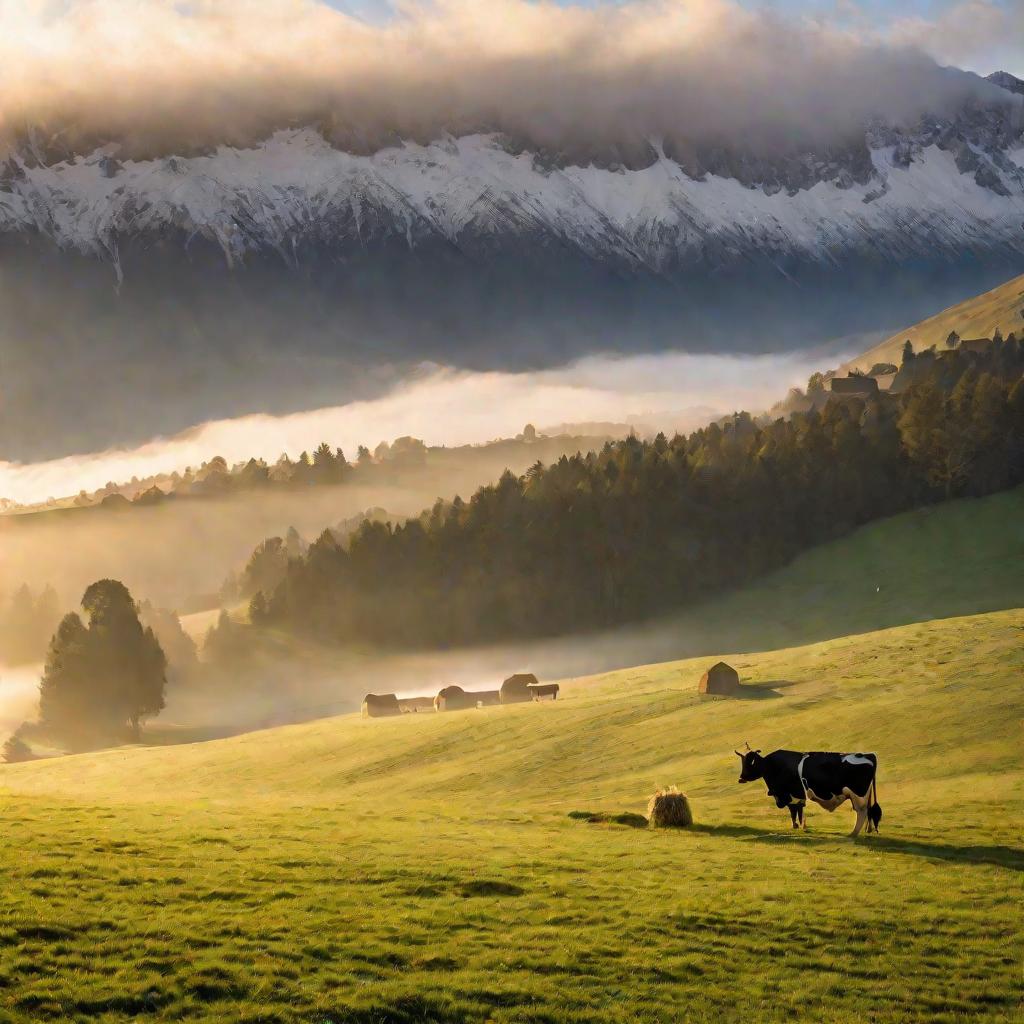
593	540
105	677
66	698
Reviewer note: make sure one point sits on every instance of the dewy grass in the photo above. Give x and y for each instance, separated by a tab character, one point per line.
425	869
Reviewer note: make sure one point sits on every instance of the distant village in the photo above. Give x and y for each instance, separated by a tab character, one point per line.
720	680
883	380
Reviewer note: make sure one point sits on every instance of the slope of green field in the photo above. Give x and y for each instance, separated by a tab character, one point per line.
425	869
977	317
957	558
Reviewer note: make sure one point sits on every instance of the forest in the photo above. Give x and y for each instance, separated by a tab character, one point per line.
639	527
403	461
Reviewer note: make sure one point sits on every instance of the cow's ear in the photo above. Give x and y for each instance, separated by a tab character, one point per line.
758	751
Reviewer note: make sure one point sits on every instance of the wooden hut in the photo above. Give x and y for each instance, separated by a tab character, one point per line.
543	691
720	679
975	346
854	384
451	698
455	698
516	689
380	705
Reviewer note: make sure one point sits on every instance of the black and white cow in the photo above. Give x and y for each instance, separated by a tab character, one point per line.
829	779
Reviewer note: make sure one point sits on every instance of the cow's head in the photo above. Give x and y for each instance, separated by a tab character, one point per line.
751	764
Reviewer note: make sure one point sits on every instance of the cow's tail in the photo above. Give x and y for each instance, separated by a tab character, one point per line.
874	807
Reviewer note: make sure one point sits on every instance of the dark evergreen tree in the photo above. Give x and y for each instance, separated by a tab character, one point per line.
594	540
102	679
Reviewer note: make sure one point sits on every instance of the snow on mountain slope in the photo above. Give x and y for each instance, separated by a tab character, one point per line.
295	190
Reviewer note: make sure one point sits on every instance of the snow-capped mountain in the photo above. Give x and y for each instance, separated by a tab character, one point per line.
953	186
293	273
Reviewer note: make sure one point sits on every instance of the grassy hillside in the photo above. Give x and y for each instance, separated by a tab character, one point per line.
977	317
952	559
425	869
944	560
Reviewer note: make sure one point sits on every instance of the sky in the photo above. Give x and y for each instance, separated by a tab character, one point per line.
978	35
714	69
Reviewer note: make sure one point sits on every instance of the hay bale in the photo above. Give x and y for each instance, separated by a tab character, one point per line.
720	679
669	808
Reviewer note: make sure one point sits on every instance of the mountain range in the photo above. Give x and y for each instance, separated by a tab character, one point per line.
292	273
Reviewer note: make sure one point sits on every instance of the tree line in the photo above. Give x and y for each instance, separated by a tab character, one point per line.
324	466
642	526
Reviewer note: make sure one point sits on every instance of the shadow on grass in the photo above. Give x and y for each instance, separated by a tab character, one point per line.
759	691
627	818
1009	857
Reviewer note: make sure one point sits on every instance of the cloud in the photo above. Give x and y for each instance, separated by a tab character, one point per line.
445	406
162	75
983	35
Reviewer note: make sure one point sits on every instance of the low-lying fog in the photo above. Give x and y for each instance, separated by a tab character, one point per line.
173	552
19	696
314	682
445	406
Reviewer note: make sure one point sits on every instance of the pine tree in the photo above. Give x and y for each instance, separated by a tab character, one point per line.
65	700
102	678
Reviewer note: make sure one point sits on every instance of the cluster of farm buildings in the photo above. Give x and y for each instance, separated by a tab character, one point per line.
720	680
517	689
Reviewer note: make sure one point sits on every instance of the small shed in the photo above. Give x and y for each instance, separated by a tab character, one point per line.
720	679
544	691
975	346
452	698
455	698
854	384
516	689
380	705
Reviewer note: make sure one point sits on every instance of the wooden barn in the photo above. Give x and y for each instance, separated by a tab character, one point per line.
854	384
516	689
380	705
975	346
543	691
455	698
720	679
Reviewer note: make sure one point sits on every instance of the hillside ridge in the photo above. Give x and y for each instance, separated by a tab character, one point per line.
979	316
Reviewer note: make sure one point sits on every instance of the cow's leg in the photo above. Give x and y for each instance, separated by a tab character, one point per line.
860	805
803	815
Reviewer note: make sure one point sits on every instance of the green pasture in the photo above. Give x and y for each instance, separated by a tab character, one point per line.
426	869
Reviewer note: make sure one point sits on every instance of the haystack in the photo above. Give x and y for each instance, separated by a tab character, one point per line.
669	808
516	689
720	679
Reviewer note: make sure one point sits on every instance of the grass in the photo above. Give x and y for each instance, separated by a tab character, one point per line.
977	317
942	561
427	868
